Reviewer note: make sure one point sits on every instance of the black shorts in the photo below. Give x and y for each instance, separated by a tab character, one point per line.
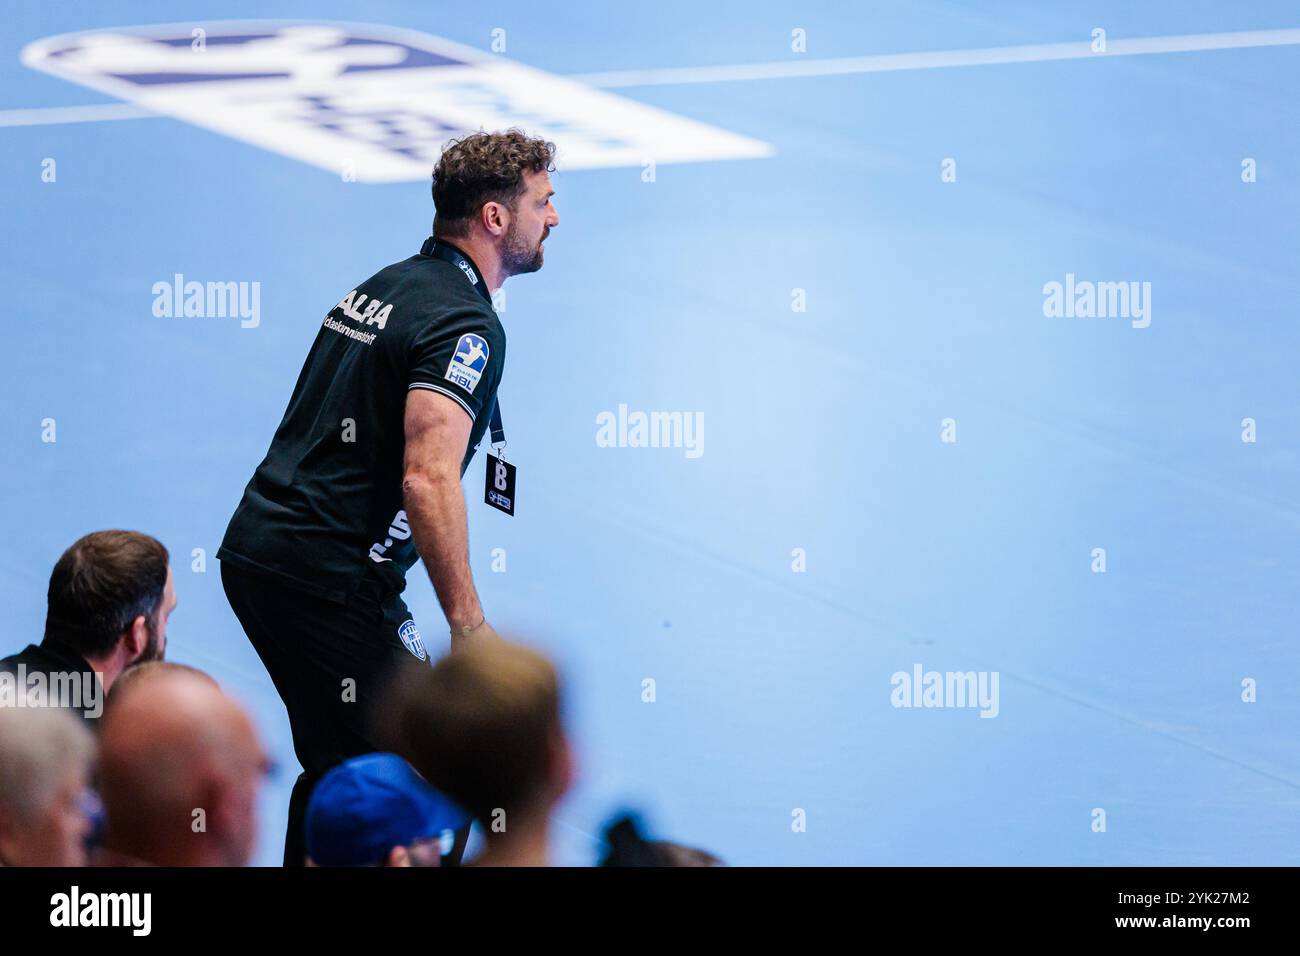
330	664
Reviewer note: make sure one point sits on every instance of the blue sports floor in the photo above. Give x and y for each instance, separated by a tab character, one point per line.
1119	691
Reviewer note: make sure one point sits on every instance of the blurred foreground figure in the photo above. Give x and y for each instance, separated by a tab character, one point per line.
628	847
180	770
376	811
46	755
149	670
483	727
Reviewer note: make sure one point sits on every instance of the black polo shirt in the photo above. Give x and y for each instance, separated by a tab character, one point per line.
323	511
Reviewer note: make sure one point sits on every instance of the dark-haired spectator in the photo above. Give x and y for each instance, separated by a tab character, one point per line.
180	769
483	727
109	600
375	810
46	756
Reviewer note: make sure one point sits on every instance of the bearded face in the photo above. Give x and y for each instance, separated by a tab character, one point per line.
522	252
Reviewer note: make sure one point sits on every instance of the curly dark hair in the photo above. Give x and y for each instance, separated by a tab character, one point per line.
481	168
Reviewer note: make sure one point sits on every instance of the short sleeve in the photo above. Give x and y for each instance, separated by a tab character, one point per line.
462	357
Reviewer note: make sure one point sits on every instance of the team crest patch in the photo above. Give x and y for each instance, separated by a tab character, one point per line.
467	365
410	635
367	102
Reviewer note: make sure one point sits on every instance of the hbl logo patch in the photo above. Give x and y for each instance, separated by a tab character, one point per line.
467	365
410	635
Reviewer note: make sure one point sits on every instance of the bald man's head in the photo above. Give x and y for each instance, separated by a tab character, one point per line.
180	768
148	671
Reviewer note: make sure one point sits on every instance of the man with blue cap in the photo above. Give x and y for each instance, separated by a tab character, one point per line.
375	810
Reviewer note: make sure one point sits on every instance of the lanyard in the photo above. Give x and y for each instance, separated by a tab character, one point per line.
449	253
498	432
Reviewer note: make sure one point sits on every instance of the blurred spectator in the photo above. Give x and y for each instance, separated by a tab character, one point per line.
180	770
375	810
109	599
46	756
139	673
483	726
628	847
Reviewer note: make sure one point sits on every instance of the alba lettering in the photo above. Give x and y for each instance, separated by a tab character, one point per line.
374	313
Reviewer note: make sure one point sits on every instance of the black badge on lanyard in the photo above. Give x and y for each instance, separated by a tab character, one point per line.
499	483
499	489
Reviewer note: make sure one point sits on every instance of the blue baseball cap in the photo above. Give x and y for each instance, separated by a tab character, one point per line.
366	806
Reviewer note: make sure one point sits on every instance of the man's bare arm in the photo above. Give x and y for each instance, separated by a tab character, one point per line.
437	435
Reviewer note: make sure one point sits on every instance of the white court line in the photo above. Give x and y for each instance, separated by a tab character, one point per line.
784	69
889	62
73	114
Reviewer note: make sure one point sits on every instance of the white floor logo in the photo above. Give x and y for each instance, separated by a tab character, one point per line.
922	688
371	102
133	910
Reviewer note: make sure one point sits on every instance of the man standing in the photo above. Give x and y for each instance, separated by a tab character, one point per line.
363	474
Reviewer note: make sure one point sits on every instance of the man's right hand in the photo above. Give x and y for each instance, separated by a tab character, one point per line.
463	637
